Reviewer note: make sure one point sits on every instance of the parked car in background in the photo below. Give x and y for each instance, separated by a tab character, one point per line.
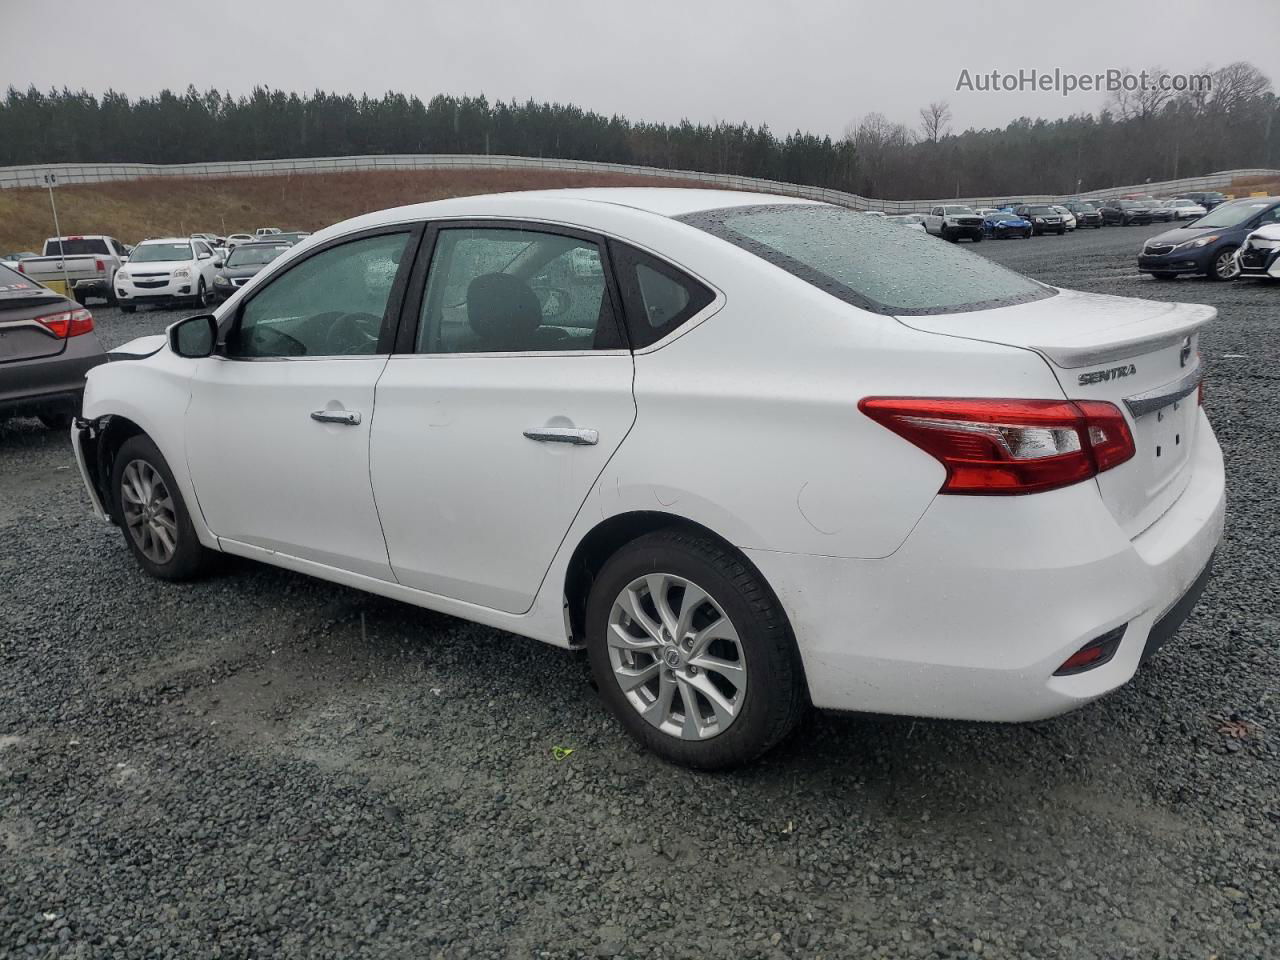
244	263
943	439
1085	212
47	345
1207	199
1259	254
1160	213
266	231
1042	217
87	265
1000	224
954	222
1126	212
167	270
1208	246
238	238
913	221
1184	209
1068	218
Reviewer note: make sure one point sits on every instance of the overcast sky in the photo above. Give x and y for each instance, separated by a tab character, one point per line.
813	64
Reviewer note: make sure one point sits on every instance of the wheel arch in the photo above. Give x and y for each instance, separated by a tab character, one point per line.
608	537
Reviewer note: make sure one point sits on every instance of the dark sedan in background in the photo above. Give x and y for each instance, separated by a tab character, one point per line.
1086	213
1042	217
1207	200
1125	212
243	263
1208	245
47	345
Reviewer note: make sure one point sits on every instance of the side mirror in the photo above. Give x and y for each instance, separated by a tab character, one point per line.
194	337
219	263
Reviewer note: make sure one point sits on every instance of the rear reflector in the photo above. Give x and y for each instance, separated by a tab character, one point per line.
1007	447
67	323
1093	654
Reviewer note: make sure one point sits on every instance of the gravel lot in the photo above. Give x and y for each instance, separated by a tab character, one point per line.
262	765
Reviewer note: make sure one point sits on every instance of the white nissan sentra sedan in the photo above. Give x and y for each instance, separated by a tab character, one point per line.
752	453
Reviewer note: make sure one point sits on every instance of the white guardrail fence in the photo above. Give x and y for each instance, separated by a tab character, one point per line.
73	173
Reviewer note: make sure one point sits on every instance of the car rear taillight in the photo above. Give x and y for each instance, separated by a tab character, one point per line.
21	268
1006	447
1095	653
67	323
99	266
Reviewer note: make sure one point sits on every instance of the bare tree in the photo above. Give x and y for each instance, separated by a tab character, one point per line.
1143	102
1237	83
934	120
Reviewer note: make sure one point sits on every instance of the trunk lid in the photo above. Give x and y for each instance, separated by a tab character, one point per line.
21	338
1141	355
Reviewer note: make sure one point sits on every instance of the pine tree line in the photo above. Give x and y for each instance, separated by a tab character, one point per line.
1135	138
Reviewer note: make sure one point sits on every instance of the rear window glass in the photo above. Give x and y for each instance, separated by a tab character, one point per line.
75	247
867	261
254	254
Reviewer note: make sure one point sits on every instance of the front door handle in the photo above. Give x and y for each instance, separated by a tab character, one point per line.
584	438
346	417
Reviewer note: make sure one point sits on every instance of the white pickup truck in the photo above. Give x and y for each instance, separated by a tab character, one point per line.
87	265
953	221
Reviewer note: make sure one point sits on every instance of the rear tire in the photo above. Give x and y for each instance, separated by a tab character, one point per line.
78	297
749	692
153	517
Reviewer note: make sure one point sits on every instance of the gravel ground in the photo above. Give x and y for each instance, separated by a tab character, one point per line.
262	765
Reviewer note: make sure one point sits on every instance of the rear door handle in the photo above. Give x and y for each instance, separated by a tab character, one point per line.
583	438
346	417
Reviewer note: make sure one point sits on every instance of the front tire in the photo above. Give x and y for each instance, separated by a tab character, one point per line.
977	238
152	514
691	651
1223	266
202	295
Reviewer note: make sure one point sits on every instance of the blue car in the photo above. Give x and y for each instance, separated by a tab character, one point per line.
1208	246
999	224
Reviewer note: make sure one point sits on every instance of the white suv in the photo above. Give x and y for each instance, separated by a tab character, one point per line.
167	270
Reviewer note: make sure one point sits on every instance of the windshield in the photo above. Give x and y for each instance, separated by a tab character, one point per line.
866	261
75	247
1042	211
254	254
151	252
1234	213
957	210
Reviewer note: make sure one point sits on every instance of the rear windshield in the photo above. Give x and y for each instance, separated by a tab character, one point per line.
151	252
75	247
867	261
14	286
248	255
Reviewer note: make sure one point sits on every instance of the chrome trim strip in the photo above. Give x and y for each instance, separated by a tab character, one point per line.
1152	400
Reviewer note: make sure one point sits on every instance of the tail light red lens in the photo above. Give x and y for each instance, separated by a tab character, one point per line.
1008	447
67	323
21	268
100	266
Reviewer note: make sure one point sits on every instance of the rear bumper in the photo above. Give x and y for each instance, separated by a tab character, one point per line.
988	596
50	384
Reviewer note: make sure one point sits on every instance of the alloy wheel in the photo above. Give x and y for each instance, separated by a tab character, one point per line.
1225	267
676	656
149	511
